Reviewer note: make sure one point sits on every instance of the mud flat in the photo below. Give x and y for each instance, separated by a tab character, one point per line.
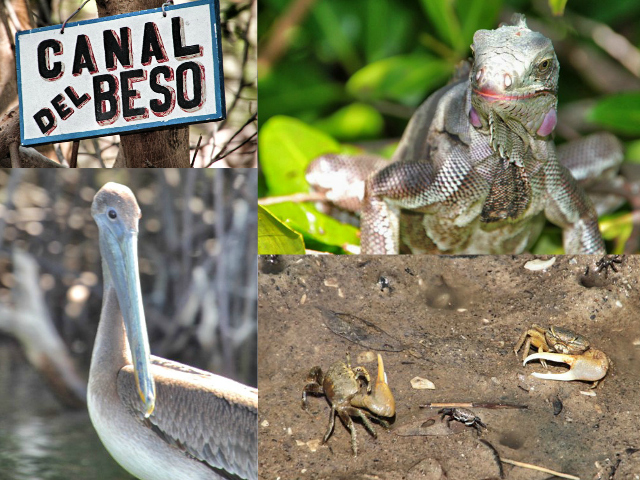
453	321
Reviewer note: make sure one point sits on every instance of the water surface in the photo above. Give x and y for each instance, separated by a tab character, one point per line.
39	439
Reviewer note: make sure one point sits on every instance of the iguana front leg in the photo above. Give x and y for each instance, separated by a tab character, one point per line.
594	161
445	201
399	185
570	208
592	158
380	227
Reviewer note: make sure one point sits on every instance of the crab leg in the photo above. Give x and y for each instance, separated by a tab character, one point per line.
346	419
332	422
591	366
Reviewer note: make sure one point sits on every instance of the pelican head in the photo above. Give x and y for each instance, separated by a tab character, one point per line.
117	213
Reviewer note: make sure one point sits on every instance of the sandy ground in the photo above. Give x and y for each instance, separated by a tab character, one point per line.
453	321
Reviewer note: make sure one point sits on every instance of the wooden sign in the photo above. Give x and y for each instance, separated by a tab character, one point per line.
120	74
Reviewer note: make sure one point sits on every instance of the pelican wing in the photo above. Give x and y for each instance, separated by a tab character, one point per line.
209	417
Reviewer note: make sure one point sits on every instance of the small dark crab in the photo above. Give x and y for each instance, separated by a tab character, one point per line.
342	388
464	416
608	262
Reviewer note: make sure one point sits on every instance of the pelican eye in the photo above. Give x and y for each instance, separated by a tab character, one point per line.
112	214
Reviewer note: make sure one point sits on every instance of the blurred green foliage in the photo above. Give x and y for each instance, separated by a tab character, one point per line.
332	72
292	145
363	51
618	113
275	236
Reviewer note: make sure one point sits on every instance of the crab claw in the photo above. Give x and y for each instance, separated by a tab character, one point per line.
591	366
381	395
380	401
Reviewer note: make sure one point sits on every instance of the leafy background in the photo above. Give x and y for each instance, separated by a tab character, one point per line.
340	76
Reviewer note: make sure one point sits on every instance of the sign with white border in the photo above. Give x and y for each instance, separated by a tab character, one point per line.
121	74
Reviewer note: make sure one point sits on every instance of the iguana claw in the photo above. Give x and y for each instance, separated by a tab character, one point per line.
590	366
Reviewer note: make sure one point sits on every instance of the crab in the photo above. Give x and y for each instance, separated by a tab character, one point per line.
552	339
559	344
608	262
342	388
464	416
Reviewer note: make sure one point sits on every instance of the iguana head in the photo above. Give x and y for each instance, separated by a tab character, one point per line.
514	83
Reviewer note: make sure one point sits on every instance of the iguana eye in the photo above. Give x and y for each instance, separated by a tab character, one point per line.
543	66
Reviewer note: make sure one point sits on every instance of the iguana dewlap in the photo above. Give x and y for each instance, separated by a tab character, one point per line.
476	170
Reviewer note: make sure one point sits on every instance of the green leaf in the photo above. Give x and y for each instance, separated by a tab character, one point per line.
549	243
317	228
476	15
617	227
331	23
297	88
444	20
287	145
557	6
275	238
353	122
387	150
398	20
632	151
403	78
620	113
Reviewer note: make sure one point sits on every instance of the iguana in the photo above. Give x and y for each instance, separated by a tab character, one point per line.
476	169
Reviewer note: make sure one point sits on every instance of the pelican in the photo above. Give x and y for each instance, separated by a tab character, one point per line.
159	419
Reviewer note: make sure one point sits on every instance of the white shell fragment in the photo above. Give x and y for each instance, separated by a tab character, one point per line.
590	393
538	264
366	357
313	445
422	384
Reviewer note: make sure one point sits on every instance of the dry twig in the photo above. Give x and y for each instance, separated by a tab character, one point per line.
473	405
195	152
539	469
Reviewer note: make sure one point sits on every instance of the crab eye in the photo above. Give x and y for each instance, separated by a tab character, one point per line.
543	66
112	214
